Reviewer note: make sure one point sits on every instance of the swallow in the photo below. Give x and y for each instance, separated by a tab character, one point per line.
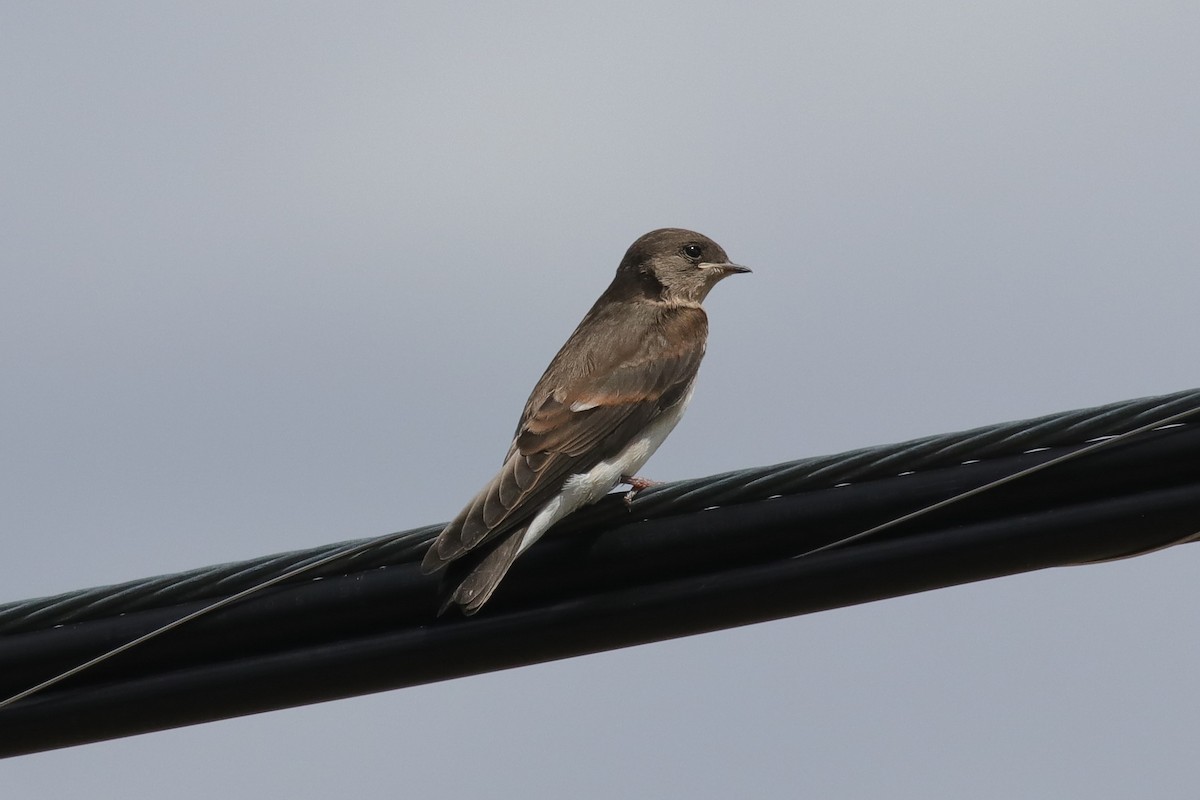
609	398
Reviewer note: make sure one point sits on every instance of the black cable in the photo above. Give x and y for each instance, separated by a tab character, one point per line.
608	586
740	486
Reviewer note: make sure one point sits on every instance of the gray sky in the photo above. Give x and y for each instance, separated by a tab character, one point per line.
275	275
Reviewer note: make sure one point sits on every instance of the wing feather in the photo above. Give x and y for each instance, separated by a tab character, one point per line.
653	364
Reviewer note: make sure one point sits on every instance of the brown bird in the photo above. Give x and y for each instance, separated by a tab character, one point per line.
603	406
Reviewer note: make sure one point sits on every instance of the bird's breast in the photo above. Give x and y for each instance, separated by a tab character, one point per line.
600	479
584	488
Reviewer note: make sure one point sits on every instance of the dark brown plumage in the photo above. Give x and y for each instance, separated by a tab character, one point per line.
608	398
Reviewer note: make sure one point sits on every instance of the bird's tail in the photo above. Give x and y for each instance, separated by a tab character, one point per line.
483	575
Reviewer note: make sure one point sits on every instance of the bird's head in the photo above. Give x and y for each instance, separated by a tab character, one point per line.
676	265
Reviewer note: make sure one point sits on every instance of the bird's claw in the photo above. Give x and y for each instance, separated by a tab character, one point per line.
635	485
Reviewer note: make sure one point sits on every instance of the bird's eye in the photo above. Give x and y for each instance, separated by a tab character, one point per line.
692	251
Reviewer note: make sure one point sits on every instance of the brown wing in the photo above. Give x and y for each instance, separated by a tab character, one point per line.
577	417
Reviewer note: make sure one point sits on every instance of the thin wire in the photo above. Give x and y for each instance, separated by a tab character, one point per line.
1091	448
295	572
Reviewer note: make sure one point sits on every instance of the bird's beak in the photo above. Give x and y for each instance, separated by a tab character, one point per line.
729	268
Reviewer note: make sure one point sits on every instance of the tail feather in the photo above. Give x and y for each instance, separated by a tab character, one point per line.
482	575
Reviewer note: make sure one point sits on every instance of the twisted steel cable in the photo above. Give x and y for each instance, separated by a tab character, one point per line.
740	486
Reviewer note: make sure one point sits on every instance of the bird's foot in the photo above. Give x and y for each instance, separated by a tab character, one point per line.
635	485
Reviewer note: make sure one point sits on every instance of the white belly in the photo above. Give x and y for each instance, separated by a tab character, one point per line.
581	489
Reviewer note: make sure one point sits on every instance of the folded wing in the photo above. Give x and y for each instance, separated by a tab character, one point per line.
574	421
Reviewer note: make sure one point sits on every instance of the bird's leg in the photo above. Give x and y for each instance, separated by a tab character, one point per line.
635	485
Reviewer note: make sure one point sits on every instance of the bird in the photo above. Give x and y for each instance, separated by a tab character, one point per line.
605	403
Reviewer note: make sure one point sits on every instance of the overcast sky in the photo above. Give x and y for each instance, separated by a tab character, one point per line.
280	274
